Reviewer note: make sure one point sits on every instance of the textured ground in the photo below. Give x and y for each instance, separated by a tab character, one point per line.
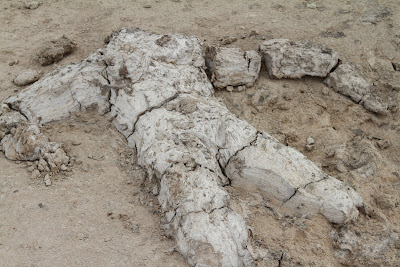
101	214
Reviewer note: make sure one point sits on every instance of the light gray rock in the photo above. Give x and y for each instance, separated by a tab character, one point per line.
231	66
26	77
155	88
68	89
347	80
32	4
47	180
28	143
310	140
371	103
294	59
283	174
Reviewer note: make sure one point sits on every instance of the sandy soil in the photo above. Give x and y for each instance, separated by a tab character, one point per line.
101	213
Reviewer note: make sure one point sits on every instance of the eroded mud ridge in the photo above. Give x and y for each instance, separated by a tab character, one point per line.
157	92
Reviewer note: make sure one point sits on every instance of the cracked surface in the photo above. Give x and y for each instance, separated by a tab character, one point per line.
232	66
290	59
288	178
348	80
156	90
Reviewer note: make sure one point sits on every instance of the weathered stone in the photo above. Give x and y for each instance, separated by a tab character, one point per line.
26	77
55	50
27	143
285	175
47	180
69	89
232	66
155	88
371	103
348	80
290	59
32	5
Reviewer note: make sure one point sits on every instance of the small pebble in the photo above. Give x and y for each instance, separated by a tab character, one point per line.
47	180
26	77
310	141
312	6
229	88
147	5
325	91
13	62
241	88
32	5
383	144
63	167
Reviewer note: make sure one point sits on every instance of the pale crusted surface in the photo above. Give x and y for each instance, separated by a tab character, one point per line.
294	59
232	66
347	80
73	227
161	100
169	69
64	91
26	77
289	179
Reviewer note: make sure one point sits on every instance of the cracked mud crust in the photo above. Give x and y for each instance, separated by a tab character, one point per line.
100	210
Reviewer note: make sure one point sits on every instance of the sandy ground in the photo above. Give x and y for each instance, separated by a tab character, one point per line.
101	214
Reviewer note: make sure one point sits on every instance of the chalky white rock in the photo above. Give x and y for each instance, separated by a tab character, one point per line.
155	88
294	59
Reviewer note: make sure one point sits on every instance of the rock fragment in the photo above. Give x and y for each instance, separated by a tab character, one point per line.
28	143
287	177
310	144
13	62
290	59
32	5
55	50
383	144
311	6
347	80
233	66
26	77
47	180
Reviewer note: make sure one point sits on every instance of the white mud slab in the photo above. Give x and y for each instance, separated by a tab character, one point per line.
155	88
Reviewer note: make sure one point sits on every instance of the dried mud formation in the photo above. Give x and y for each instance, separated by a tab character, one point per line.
231	66
290	59
158	94
347	80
